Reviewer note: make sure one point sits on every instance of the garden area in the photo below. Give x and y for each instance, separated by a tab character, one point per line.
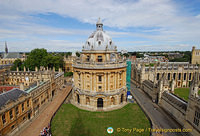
183	93
72	121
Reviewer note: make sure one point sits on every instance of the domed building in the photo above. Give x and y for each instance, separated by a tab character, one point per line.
99	74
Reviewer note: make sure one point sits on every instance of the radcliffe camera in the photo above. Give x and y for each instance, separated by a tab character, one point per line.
100	68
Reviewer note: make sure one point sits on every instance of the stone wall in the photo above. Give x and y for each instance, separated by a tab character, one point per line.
174	106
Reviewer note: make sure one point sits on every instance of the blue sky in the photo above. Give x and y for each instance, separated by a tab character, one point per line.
134	25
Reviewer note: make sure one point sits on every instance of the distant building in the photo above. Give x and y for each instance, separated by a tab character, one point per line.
10	57
195	55
68	63
174	55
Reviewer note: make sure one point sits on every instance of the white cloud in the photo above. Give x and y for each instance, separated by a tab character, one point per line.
161	16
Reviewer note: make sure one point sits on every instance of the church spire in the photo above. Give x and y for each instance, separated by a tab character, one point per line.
99	24
6	48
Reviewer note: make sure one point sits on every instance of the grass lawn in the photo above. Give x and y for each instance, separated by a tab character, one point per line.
183	93
71	121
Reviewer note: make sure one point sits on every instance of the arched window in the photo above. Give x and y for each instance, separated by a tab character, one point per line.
112	101
122	98
99	103
87	100
78	99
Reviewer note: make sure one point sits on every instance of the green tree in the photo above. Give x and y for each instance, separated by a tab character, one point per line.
36	58
17	63
78	54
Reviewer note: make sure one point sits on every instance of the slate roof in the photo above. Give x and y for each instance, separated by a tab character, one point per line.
11	95
13	55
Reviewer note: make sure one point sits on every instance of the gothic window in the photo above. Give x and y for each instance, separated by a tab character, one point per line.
17	110
168	76
3	118
22	107
100	59
184	78
174	76
27	103
11	114
190	76
196	118
158	76
179	76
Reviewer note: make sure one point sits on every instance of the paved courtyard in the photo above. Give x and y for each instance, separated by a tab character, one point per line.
45	115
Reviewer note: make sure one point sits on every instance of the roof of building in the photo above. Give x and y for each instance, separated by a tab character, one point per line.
99	40
11	95
12	55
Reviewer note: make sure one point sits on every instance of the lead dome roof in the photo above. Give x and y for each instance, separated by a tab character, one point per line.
99	40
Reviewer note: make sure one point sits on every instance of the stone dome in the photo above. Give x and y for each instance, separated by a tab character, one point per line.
99	40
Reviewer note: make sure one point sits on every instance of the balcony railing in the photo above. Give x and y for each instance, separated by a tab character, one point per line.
99	65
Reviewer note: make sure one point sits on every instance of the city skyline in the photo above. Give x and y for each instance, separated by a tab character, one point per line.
138	25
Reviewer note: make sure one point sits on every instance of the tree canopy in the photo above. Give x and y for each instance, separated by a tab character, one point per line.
40	57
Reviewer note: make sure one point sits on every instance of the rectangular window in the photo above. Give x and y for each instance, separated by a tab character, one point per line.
100	78
190	76
4	118
157	76
196	118
27	103
184	76
100	88
17	110
100	59
22	107
11	114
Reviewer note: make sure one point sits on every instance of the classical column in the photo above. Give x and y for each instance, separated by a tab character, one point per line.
95	85
108	81
115	80
105	82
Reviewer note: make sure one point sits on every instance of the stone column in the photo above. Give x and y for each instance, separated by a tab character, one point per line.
108	81
81	82
105	82
95	84
115	80
91	81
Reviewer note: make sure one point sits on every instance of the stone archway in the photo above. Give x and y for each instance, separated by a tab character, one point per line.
99	103
112	101
122	98
78	98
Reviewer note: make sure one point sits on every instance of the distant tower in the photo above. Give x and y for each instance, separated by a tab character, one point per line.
6	48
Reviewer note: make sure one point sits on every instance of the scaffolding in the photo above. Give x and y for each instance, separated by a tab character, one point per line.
128	76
